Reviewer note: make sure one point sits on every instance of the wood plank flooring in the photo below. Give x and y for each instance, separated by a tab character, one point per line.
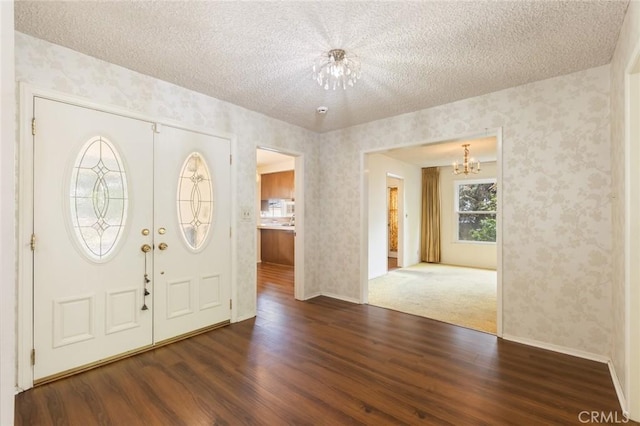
328	362
392	263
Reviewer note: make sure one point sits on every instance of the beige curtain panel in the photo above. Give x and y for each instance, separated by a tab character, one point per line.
430	241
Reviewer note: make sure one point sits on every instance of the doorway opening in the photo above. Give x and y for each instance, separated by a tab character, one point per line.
459	282
394	221
278	208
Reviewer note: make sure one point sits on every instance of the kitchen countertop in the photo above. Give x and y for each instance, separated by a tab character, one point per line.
276	227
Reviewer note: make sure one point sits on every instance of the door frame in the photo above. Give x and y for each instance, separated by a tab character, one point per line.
24	325
401	208
630	396
298	248
364	211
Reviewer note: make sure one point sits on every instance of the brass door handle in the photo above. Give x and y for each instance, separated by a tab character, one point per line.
146	248
162	246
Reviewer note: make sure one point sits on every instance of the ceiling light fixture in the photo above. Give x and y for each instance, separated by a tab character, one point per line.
469	165
336	69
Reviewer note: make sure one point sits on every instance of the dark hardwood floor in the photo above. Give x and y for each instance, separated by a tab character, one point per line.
328	362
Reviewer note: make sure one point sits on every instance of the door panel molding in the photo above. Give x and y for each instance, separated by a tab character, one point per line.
73	320
122	310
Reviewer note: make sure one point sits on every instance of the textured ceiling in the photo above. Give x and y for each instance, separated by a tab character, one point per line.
259	54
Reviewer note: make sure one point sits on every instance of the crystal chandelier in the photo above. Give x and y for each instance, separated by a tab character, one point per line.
469	165
336	69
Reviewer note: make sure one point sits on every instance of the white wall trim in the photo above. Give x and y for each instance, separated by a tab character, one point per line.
24	324
245	317
579	354
312	295
618	387
631	245
235	297
341	297
333	296
499	251
8	204
557	348
364	227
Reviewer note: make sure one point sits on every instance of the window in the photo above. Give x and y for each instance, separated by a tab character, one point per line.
195	201
98	198
475	210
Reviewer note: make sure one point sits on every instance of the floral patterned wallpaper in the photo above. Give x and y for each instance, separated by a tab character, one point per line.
54	67
629	37
556	183
556	201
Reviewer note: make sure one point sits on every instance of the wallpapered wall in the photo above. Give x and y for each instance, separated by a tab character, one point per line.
54	67
556	183
629	37
556	197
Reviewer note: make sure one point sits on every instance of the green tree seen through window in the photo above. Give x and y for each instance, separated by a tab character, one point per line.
477	204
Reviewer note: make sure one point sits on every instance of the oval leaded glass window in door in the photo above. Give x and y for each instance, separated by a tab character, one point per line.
195	201
98	198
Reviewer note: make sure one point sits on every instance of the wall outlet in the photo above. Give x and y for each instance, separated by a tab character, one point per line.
246	214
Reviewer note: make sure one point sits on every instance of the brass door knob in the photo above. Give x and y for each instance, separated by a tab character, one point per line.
162	246
146	248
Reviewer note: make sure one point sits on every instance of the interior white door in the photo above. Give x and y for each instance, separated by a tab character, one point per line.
93	196
192	272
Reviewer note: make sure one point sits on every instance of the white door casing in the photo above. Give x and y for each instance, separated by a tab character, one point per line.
192	274
88	309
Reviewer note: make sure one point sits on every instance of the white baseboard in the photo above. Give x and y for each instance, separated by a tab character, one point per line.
333	296
618	388
340	297
580	354
312	295
245	317
557	348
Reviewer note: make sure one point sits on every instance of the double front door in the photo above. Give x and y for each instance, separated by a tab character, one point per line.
131	235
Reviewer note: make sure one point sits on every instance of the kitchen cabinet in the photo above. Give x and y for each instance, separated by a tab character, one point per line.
277	246
277	185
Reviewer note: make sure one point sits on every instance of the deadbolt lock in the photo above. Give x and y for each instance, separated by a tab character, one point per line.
145	231
162	231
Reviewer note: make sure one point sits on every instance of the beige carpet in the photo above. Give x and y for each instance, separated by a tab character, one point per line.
460	296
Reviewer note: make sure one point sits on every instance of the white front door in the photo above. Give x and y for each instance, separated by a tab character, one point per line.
105	186
92	198
192	232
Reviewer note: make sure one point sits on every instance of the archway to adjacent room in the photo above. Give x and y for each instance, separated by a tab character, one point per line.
279	220
462	285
